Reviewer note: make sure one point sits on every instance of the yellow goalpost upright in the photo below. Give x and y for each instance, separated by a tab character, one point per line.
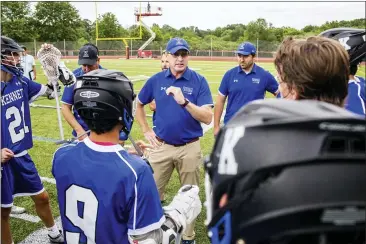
124	39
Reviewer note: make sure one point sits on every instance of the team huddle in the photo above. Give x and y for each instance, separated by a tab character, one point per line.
282	170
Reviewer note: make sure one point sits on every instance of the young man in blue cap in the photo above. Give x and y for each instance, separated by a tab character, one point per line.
89	60
242	84
183	100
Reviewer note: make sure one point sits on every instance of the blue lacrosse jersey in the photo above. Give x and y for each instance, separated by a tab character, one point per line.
104	193
68	98
16	129
356	99
242	88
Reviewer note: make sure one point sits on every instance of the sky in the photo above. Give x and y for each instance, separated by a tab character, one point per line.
209	15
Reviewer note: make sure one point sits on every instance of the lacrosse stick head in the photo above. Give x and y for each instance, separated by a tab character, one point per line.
50	57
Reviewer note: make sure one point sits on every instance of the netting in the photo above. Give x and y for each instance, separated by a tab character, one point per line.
49	57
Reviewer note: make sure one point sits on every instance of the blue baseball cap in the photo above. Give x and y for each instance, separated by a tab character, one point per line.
176	44
246	48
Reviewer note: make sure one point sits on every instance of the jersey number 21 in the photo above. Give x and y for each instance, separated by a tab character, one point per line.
15	133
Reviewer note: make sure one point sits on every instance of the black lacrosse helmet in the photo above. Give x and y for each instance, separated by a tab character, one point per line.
8	48
352	39
102	96
285	171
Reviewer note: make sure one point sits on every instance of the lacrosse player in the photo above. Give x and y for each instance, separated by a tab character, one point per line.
289	172
321	71
107	195
19	174
354	41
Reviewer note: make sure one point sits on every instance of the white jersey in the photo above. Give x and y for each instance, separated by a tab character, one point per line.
27	62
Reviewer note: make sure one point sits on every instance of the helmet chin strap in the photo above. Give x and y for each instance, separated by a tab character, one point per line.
12	70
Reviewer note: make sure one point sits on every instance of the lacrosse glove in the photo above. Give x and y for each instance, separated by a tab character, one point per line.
66	77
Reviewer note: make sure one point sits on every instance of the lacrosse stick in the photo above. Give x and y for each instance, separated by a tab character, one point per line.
71	140
50	56
139	152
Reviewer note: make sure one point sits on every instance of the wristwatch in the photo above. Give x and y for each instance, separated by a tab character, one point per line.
185	103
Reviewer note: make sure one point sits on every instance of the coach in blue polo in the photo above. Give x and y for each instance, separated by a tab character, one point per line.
183	100
242	84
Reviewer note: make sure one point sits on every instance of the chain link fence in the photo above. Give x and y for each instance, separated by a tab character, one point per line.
117	49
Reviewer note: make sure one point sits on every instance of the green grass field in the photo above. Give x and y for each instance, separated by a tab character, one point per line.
44	124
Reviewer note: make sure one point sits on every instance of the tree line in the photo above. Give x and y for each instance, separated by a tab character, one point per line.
58	21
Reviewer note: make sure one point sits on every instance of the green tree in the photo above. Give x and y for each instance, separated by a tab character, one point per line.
57	21
88	29
289	31
257	30
16	21
159	35
108	27
309	28
134	31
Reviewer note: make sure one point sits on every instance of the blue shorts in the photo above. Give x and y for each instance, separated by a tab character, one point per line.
19	178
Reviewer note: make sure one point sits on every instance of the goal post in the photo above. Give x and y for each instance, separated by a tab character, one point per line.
123	39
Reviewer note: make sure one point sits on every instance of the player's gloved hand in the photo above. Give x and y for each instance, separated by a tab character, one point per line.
66	77
185	207
50	92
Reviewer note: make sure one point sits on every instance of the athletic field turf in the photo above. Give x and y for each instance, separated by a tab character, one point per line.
45	130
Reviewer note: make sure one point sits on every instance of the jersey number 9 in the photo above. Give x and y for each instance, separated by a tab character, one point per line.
87	224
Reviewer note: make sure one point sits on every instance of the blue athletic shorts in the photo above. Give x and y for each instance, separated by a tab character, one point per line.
19	177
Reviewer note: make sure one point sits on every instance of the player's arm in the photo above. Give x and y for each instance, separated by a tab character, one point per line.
66	77
145	96
202	112
219	108
272	84
220	101
152	106
184	208
66	110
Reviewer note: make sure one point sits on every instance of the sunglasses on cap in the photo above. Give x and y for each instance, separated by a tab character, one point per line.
182	53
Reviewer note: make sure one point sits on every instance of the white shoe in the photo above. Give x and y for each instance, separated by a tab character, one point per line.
17	210
57	239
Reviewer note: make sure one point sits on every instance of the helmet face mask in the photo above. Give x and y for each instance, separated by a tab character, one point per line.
295	160
13	59
11	53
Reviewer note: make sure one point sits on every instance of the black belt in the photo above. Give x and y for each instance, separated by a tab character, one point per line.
177	145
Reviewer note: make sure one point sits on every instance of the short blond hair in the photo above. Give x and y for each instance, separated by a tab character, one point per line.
317	68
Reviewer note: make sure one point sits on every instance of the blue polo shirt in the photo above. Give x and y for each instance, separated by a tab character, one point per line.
68	98
175	124
242	88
